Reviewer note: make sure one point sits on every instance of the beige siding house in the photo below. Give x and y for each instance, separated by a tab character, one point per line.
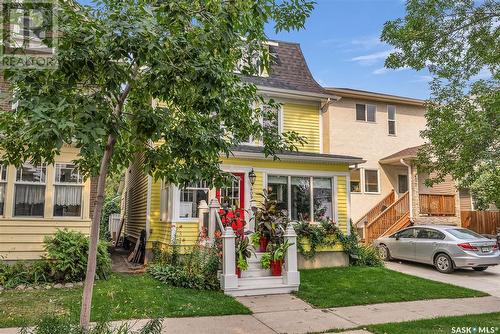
387	192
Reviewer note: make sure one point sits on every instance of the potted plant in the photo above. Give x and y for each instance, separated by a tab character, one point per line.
278	256
265	261
269	218
243	252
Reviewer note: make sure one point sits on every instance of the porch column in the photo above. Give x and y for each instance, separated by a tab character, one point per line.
203	217
212	220
291	275
229	280
415	203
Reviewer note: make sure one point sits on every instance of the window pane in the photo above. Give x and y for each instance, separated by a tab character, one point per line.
391	113
402	183
301	198
392	127
30	173
231	194
189	201
355	181
371	181
270	118
67	173
277	187
3	173
2	198
360	112
68	201
409	233
322	199
29	200
370	113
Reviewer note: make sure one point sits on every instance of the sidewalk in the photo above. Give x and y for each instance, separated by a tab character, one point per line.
288	314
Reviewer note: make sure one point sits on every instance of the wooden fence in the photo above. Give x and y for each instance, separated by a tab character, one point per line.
437	205
484	222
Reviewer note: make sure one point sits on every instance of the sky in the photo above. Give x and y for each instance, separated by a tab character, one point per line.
342	47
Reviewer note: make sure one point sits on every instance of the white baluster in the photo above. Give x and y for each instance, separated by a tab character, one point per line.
291	275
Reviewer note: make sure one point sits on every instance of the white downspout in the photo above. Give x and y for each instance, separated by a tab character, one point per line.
410	192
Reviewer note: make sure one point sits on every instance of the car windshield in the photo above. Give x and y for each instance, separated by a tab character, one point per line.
462	233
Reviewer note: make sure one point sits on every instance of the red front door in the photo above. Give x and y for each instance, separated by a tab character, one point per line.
234	196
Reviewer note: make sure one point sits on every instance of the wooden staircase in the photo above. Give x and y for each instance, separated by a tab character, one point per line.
387	217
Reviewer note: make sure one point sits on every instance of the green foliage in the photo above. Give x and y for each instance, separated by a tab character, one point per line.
55	325
111	206
243	252
198	270
278	251
265	260
458	42
255	239
270	221
68	252
38	272
326	234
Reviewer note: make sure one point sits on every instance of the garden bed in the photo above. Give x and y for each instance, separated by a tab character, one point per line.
118	298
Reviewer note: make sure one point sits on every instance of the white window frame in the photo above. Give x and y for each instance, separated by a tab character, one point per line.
407	182
252	142
389	120
364	181
311	190
3	182
21	182
366	113
57	183
177	203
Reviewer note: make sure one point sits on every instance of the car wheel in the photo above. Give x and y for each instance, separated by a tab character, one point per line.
479	268
384	253
443	264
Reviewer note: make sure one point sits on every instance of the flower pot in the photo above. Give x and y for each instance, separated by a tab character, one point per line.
276	267
238	272
263	241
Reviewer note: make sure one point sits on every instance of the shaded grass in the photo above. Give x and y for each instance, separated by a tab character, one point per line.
121	297
336	287
442	325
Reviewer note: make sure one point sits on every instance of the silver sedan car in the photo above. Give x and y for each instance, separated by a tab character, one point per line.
446	247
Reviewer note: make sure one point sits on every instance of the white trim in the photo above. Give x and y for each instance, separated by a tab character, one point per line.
148	207
407	182
320	130
348	200
336	199
294	93
289	194
378	181
298	158
366	113
392	120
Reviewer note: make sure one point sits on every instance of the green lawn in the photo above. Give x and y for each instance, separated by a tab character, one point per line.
335	287
120	297
443	325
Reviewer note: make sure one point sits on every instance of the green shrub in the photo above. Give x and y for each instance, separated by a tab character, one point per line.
53	325
111	206
367	255
68	251
198	270
37	272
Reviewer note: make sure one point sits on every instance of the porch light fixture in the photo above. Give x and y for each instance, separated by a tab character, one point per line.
252	177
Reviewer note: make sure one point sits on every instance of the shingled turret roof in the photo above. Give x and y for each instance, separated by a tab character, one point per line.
288	70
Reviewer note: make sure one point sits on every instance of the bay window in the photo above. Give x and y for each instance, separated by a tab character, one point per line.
301	198
304	198
190	197
322	198
68	186
29	191
3	181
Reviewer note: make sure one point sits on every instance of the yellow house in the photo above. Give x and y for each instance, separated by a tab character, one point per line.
35	201
309	184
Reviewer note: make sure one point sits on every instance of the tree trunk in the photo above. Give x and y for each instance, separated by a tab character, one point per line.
94	235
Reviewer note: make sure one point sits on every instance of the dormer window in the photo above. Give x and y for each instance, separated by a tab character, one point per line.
253	61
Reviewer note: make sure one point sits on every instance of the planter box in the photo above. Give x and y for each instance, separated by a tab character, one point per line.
327	256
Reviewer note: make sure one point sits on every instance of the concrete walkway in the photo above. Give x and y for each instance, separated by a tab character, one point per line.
487	281
288	314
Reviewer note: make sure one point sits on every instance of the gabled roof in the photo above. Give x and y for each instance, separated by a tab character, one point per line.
407	153
257	152
288	70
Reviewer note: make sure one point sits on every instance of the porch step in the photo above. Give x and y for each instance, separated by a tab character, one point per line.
255	272
253	286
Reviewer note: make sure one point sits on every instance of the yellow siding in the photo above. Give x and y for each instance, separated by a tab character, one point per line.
342	203
137	185
21	238
303	119
258	187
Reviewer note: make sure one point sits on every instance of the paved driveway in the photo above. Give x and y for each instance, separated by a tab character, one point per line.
487	281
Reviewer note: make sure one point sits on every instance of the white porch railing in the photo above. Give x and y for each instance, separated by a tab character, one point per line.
229	279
